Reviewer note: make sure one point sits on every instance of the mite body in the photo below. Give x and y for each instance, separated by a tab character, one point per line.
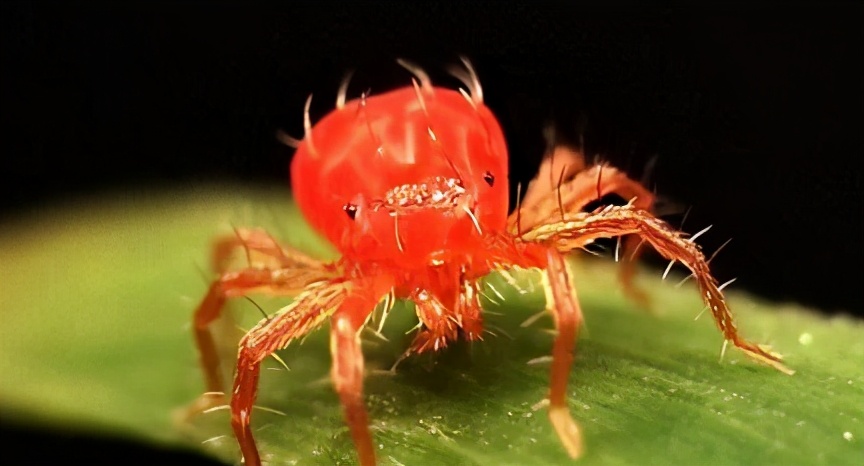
411	186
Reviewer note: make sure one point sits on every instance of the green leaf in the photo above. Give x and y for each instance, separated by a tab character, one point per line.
97	298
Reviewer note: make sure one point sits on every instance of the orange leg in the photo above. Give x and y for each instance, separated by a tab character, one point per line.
208	311
469	312
438	328
628	256
262	250
272	269
242	400
318	302
561	301
578	187
308	311
347	371
275	270
573	194
211	306
561	163
580	228
443	324
235	283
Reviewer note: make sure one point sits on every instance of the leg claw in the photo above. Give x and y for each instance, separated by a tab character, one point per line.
568	431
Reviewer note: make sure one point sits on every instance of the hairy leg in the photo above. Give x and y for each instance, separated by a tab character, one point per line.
574	194
628	256
578	229
228	285
272	269
347	370
438	323
468	313
309	310
561	163
554	195
442	323
561	301
261	250
236	284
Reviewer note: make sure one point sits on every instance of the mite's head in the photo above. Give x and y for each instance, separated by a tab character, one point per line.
405	173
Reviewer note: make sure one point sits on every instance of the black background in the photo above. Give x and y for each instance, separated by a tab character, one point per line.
754	113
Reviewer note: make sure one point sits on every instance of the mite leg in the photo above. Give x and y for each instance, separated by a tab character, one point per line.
214	301
575	192
262	250
347	374
230	284
468	311
284	282
242	400
628	256
308	311
578	229
272	269
347	370
561	301
208	311
441	324
561	163
438	321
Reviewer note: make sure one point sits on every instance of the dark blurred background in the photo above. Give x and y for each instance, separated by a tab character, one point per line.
752	111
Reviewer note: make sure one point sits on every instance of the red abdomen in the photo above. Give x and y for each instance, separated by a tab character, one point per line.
404	176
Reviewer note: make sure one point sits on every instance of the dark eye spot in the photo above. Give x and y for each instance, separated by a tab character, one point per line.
351	210
489	178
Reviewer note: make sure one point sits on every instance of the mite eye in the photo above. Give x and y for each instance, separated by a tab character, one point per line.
489	178
351	210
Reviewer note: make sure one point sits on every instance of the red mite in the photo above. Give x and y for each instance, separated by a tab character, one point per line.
411	187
